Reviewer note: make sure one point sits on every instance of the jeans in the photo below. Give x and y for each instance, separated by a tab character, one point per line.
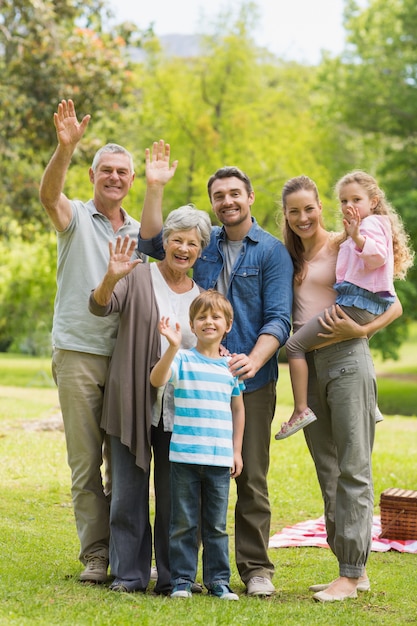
80	378
199	491
130	530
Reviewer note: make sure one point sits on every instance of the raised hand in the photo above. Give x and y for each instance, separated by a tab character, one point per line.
173	335
120	264
157	168
352	222
68	129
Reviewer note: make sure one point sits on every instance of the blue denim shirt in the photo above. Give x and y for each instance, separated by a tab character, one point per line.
260	291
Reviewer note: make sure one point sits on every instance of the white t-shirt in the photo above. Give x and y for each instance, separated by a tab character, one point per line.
176	306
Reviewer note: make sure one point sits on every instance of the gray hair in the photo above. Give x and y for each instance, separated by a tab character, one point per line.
185	218
112	148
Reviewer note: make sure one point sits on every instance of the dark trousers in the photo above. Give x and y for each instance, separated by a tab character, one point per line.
160	446
253	512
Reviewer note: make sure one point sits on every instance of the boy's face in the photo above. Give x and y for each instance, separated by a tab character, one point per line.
210	326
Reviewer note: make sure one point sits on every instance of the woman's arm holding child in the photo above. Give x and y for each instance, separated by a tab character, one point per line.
338	325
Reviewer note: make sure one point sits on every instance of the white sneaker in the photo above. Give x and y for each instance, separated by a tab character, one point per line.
378	415
223	592
289	428
182	590
259	586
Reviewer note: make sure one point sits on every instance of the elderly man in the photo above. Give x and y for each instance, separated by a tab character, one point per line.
83	344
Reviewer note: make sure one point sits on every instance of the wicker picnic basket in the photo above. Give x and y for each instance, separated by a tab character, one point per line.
398	514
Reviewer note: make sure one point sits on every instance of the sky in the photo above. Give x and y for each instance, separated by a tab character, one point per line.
295	30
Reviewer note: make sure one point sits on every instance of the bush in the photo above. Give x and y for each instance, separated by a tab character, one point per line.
397	396
27	292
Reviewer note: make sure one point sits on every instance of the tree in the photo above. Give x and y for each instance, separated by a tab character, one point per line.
233	104
372	89
27	290
49	50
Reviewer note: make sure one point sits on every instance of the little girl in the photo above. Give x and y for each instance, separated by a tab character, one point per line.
374	251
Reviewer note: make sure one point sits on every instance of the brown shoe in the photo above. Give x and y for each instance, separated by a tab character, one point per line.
95	570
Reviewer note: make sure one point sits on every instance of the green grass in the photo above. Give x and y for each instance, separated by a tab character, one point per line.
38	543
25	371
397	380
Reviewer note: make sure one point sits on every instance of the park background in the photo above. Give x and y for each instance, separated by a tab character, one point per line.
218	98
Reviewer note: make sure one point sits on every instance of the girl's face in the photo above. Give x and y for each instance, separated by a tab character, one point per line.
302	212
354	197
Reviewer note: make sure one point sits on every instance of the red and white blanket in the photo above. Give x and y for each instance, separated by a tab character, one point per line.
312	533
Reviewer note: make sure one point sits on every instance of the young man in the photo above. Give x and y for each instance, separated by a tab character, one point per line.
206	444
254	270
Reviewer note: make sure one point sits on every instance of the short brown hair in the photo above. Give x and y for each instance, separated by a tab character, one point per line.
230	171
211	300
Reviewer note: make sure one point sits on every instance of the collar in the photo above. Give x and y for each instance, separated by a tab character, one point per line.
94	211
252	234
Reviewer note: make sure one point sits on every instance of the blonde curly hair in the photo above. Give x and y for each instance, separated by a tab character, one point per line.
403	252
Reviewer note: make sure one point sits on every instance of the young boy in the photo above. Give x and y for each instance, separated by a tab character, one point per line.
206	445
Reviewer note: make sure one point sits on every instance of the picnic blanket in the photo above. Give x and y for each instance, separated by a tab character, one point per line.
312	533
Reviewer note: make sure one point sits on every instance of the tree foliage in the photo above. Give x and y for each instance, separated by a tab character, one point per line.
232	104
372	90
49	50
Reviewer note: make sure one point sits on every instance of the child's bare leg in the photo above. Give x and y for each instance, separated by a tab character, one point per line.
301	416
299	383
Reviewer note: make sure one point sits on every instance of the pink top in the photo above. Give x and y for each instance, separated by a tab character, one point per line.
371	268
317	293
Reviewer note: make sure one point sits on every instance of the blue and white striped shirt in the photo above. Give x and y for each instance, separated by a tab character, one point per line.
203	426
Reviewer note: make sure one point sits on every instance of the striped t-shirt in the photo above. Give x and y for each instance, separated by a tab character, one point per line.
203	427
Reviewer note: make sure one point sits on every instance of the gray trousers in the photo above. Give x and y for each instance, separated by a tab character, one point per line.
342	393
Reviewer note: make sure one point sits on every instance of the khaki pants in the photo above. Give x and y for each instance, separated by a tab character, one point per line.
80	378
342	393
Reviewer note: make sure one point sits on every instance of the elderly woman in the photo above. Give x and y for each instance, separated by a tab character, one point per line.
134	417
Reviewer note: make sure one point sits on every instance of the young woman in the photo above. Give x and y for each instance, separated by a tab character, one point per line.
341	391
375	250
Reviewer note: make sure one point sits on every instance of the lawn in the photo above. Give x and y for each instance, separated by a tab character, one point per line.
39	566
